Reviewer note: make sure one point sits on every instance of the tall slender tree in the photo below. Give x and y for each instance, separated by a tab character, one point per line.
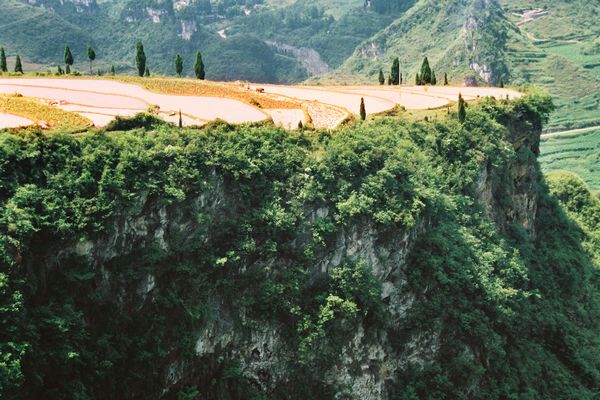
425	72
433	78
396	71
462	111
180	120
147	72
363	111
445	79
381	77
140	58
501	83
389	80
91	56
18	65
417	79
199	67
112	70
401	80
68	58
3	65
178	64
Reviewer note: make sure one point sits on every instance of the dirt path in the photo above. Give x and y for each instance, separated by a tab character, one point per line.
569	132
13	121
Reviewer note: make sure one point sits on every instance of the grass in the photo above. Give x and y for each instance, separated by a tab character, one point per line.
37	111
578	153
191	87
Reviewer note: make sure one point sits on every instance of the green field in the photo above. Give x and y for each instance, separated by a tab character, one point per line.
577	152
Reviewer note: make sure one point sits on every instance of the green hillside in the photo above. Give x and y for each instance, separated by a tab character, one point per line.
578	152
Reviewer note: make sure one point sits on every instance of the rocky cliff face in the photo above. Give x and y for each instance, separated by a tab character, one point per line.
264	355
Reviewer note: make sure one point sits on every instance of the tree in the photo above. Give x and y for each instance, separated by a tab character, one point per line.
3	66
425	72
417	79
381	77
396	71
68	58
67	69
401	78
501	83
389	79
363	111
180	120
18	65
140	58
300	125
147	72
112	70
178	64
462	111
199	67
59	70
91	56
445	79
433	78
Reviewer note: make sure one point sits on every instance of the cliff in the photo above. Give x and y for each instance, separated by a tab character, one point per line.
388	260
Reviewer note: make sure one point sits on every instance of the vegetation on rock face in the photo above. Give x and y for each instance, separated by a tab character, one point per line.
232	225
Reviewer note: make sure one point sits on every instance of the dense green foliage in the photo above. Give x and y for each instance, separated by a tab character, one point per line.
140	60
199	69
68	56
178	64
18	65
511	315
3	65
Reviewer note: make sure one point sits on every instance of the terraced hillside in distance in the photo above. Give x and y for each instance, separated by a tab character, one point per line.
576	151
101	100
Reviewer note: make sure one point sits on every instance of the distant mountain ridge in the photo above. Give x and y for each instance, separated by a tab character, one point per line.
473	41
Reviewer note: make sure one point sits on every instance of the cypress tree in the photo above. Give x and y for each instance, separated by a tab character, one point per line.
112	70
381	77
180	120
91	56
178	65
462	112
59	70
401	78
445	79
68	58
396	71
417	79
3	66
18	65
433	78
140	59
147	72
389	79
501	83
199	67
425	72
300	125
67	69
363	112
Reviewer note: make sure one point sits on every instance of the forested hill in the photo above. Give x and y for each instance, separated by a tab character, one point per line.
393	259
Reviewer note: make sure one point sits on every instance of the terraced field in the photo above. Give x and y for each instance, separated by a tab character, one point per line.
101	100
578	152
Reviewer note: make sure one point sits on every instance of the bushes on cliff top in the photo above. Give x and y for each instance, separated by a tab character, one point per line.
243	239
